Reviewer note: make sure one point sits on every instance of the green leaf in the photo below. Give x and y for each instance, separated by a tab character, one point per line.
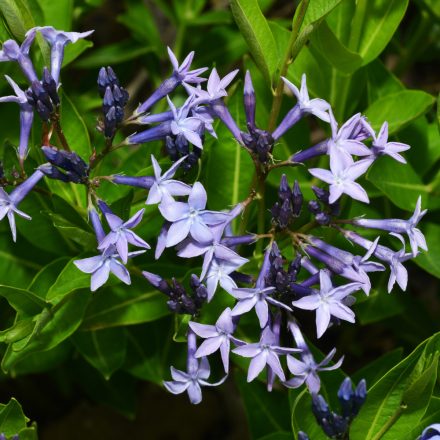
112	54
256	31
12	418
75	129
103	349
385	403
57	14
228	162
318	9
380	81
399	182
334	51
73	51
139	19
18	17
20	329
266	412
381	19
430	261
398	109
28	434
44	279
68	280
52	327
120	306
22	300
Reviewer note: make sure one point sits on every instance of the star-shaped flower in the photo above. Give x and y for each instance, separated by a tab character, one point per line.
216	337
182	125
398	226
190	218
341	145
341	179
381	146
101	265
26	117
328	302
257	298
182	71
164	184
9	202
11	51
58	40
306	370
265	352
121	234
194	377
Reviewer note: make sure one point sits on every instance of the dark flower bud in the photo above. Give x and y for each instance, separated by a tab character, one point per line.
50	86
321	194
242	278
112	78
53	172
322	218
314	206
77	170
294	267
249	100
43	111
303	436
284	189
171	148
320	407
345	396
103	81
360	395
297	199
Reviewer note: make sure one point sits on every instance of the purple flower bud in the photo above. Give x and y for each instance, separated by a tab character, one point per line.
249	100
297	199
317	150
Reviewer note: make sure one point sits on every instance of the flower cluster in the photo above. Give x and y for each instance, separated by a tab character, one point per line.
320	277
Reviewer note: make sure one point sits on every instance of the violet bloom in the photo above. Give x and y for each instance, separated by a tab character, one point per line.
265	352
258	298
164	184
341	145
215	91
306	370
182	125
216	337
381	146
26	117
219	272
190	218
121	234
383	253
194	377
432	432
328	302
9	202
341	179
181	75
58	40
305	105
398	226
11	51
101	265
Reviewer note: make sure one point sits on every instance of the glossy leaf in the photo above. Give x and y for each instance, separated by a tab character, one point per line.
318	9
12	418
104	349
398	109
255	30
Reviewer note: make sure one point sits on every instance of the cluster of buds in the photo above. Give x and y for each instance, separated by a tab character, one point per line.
321	208
336	425
114	98
64	165
288	205
43	95
178	147
283	280
180	300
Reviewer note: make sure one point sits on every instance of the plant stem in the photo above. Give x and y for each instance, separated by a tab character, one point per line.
289	56
391	421
59	132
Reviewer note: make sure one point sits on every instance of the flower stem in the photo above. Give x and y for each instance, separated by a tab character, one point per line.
391	421
289	57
